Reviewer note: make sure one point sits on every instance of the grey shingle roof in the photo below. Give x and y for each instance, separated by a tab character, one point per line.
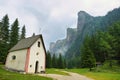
26	43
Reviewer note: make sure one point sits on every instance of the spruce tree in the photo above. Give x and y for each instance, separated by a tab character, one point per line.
60	62
14	34
87	57
64	63
48	60
5	29
23	33
54	61
114	31
0	31
100	46
4	38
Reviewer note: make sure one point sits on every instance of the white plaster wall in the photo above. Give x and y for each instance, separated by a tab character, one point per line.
34	57
19	62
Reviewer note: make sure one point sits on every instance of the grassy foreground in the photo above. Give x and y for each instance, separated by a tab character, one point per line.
6	75
55	71
97	75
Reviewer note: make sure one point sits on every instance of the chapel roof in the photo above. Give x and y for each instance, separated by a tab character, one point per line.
26	43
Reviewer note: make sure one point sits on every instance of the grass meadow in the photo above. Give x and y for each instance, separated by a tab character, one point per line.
7	75
97	75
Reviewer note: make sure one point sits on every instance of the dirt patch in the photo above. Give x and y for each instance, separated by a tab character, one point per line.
72	76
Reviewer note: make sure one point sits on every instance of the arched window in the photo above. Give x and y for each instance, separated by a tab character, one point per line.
38	44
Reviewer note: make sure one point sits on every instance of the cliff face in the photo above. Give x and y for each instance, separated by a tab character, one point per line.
61	46
86	25
83	18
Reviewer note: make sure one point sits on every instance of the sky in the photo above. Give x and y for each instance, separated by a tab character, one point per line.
51	18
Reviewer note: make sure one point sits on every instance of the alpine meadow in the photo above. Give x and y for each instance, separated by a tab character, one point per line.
60	40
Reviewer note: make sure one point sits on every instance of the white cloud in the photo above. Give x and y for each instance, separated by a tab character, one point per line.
52	16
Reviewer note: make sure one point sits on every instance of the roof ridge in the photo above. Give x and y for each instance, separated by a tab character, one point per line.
32	36
25	43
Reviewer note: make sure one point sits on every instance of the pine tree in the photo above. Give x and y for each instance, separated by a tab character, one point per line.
60	62
48	60
0	31
14	34
4	38
114	31
54	61
23	33
87	57
5	29
64	63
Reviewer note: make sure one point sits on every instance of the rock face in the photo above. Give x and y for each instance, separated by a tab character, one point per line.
86	25
61	46
83	18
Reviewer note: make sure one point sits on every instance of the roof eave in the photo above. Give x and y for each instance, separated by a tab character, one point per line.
18	49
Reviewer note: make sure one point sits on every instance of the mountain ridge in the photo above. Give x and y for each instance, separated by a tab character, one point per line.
86	25
61	46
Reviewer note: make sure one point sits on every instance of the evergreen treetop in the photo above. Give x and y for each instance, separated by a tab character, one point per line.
23	34
14	35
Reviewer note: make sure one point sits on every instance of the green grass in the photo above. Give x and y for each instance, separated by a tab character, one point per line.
55	71
102	75
97	75
6	75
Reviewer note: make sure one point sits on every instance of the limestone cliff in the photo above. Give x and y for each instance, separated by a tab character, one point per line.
86	25
61	46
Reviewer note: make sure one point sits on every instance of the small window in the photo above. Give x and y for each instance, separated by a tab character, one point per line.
13	57
37	53
38	44
30	65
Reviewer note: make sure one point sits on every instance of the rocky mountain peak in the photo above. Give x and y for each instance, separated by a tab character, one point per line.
83	13
83	18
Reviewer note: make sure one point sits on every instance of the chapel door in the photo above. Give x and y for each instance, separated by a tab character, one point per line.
36	67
